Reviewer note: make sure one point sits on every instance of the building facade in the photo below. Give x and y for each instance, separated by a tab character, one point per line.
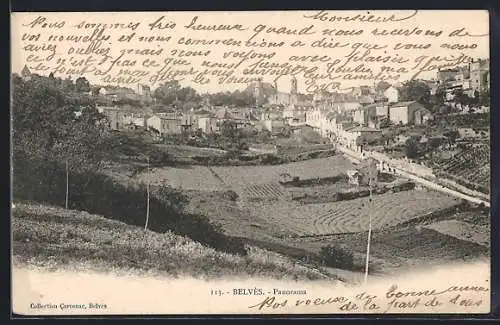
166	124
408	113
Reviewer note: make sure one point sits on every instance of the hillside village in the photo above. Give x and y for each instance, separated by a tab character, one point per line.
263	167
365	106
379	117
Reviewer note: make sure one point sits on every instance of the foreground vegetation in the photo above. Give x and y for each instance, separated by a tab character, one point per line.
51	237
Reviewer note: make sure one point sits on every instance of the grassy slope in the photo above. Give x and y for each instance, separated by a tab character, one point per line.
52	237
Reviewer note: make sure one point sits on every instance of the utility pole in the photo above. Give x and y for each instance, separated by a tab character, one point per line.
67	185
147	190
371	174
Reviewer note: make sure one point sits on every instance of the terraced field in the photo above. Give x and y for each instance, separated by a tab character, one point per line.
353	215
268	191
308	169
471	165
240	177
189	178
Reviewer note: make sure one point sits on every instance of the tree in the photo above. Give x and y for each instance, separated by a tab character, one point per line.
67	85
440	96
474	101
167	93
484	97
452	136
385	138
241	98
190	105
460	97
382	86
82	85
411	148
416	90
236	98
336	257
46	125
188	94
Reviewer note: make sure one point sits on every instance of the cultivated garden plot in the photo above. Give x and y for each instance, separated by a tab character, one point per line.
478	234
189	178
309	169
268	191
469	166
353	215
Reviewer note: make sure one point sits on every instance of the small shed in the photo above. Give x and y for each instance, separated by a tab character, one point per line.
354	177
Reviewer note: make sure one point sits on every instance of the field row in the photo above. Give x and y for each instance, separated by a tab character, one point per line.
264	191
308	169
201	178
353	215
472	165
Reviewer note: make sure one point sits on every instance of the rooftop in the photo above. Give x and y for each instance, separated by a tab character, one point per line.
363	129
400	104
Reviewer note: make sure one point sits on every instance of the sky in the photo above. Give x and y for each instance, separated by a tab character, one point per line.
474	22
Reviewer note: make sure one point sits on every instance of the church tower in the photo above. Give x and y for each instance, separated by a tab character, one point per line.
259	92
293	92
293	88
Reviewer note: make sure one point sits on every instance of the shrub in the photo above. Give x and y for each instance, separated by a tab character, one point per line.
269	159
336	257
230	195
243	146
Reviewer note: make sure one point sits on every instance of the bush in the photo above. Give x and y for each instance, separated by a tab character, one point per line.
230	195
269	159
336	257
244	146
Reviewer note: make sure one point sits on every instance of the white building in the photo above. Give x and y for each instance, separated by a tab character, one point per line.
165	124
392	94
208	124
408	113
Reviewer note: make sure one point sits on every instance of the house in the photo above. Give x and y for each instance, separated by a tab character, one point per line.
273	126
208	124
344	137
354	176
392	94
422	116
382	110
433	85
445	75
408	113
480	75
285	178
113	115
401	139
164	124
188	122
366	99
269	114
362	134
315	116
360	91
116	94
378	122
466	133
363	114
202	119
303	129
140	121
